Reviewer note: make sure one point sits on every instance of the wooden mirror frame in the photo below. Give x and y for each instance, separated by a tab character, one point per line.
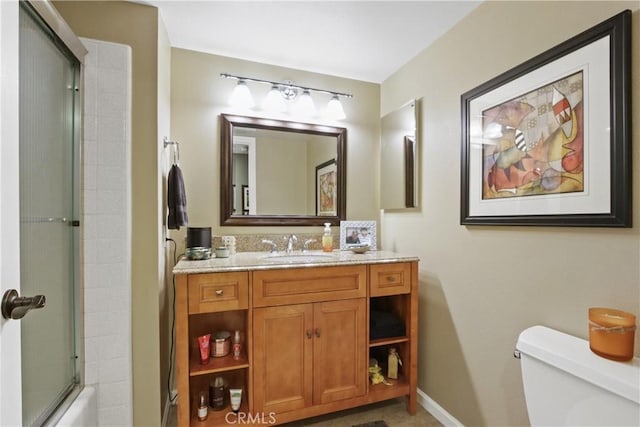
227	124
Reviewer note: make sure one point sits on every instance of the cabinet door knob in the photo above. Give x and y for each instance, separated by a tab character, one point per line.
219	292
309	334
389	278
318	332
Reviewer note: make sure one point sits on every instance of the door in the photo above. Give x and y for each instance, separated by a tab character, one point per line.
339	350
309	354
10	366
38	230
283	347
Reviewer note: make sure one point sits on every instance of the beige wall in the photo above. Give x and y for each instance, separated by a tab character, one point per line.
480	286
199	95
136	25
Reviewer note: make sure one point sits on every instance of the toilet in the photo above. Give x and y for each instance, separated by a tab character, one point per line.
566	384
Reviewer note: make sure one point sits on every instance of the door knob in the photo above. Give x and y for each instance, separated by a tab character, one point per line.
15	307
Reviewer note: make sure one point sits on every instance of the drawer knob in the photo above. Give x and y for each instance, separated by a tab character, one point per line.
219	292
309	334
318	332
389	278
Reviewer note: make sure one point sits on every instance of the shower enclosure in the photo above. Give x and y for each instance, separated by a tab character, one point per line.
49	150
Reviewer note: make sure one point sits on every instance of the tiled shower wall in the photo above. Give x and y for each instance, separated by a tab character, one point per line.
107	229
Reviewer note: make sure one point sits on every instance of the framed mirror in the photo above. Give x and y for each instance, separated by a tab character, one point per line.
399	158
277	172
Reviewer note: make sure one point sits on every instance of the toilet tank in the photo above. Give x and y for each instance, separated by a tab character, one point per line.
566	384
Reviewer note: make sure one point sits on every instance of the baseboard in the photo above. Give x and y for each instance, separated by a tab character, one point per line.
167	407
437	411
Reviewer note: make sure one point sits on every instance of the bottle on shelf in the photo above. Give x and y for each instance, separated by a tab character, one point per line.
237	346
327	238
203	408
393	362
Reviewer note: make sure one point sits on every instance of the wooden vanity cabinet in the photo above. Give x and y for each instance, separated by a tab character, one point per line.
308	343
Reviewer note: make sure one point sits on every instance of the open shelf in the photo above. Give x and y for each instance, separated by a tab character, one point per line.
221	418
217	364
383	391
386	341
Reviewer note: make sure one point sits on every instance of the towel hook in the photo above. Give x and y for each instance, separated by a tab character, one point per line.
176	151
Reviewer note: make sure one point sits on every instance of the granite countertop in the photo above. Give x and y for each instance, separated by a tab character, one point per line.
244	261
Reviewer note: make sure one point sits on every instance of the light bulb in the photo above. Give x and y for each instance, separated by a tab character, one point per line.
274	101
334	109
305	106
241	96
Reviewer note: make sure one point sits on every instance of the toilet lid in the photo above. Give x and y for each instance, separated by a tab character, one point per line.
573	355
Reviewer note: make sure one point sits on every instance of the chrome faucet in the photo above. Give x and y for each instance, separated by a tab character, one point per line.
305	246
274	247
292	240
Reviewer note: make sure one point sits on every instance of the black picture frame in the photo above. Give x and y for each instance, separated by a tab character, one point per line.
478	209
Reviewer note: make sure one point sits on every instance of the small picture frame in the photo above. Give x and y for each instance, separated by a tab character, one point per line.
357	233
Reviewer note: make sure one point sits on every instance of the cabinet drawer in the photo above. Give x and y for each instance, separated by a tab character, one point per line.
303	285
218	292
390	279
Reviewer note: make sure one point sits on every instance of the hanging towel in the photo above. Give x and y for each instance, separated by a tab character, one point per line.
176	199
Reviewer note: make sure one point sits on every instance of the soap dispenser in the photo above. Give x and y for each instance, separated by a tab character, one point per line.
327	238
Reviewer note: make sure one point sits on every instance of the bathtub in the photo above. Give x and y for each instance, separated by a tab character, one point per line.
83	411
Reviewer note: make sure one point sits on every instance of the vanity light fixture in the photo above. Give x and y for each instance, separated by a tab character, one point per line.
334	109
241	96
304	106
288	91
275	101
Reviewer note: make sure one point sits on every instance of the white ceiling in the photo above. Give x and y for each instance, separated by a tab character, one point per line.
362	40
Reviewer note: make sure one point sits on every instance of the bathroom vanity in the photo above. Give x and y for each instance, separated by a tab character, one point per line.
304	320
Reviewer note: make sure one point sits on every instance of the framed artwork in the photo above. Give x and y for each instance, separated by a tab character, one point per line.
357	233
326	189
245	200
549	142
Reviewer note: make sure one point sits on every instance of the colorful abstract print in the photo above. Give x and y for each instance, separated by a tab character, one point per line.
533	145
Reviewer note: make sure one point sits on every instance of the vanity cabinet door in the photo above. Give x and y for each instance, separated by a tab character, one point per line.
283	352
340	350
309	354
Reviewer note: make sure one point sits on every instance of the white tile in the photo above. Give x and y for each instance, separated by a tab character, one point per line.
90	91
111	154
90	154
90	181
113	394
90	202
111	203
95	325
90	252
111	178
116	346
90	127
112	81
113	370
110	251
112	55
111	227
111	129
90	229
91	373
91	349
115	416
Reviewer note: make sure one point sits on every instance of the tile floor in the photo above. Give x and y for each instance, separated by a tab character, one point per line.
393	412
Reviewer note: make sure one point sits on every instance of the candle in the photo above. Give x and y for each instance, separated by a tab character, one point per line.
611	333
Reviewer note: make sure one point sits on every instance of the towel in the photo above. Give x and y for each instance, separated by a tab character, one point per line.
176	199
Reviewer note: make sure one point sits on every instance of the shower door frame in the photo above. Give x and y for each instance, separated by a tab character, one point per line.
10	341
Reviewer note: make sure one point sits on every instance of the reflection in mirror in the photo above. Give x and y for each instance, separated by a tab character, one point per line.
398	157
275	172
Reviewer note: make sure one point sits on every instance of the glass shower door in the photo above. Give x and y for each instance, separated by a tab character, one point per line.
48	210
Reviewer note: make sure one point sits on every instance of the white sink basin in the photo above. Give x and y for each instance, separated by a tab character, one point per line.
298	258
